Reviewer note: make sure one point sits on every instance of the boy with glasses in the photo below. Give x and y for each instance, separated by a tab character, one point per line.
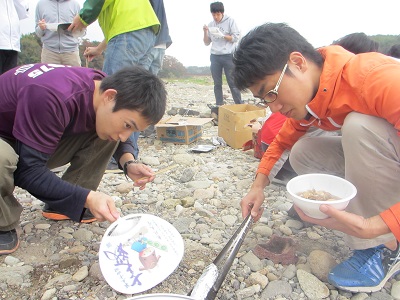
331	88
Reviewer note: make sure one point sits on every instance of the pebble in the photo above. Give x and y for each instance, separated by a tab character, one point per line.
321	263
48	294
313	235
201	197
81	274
395	291
312	286
11	260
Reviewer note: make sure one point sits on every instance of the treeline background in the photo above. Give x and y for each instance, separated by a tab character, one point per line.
31	48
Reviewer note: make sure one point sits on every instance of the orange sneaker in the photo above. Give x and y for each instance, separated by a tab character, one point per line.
9	241
51	214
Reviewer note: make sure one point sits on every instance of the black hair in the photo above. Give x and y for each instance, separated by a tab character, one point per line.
265	50
357	42
394	51
137	89
216	7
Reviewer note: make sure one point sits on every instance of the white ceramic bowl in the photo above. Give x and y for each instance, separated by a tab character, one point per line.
334	185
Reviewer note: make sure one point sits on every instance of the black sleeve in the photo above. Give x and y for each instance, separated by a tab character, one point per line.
33	176
125	147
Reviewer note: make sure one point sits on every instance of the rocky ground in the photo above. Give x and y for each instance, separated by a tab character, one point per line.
200	196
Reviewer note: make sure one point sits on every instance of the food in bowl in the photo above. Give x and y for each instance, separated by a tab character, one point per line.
334	185
318	195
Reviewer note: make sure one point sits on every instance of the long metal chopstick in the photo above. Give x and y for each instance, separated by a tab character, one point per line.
212	278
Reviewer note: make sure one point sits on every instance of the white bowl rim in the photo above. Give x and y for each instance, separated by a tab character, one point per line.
353	194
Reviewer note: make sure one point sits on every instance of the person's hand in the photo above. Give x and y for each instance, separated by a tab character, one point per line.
42	24
205	28
254	199
252	203
76	25
140	174
102	206
348	223
91	52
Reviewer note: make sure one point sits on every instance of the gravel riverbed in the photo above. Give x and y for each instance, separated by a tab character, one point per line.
200	197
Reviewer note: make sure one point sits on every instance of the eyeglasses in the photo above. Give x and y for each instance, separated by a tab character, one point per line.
271	95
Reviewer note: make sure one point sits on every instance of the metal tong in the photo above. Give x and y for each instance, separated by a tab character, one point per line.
210	281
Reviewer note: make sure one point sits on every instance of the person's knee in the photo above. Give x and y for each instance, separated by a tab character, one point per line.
359	127
301	154
296	154
8	159
354	124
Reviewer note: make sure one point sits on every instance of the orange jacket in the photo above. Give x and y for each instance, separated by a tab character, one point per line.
362	83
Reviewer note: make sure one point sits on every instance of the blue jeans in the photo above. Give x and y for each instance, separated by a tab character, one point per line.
219	63
128	49
157	56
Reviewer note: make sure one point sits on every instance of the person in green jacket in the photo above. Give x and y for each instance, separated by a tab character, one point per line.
126	25
129	28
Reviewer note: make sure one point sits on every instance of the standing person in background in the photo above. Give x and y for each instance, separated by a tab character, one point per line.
130	29
163	39
60	46
11	12
224	34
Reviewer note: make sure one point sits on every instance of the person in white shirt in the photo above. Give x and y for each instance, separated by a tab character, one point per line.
11	12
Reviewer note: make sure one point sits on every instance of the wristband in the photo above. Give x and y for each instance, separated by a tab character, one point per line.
125	168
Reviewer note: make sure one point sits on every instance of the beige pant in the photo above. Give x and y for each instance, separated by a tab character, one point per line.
67	58
367	154
88	157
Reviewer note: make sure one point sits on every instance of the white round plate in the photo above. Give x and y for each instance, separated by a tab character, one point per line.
162	297
139	251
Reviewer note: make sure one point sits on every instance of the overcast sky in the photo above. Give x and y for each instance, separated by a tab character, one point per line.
320	22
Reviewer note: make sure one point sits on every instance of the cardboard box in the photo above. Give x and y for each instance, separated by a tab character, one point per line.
232	120
180	129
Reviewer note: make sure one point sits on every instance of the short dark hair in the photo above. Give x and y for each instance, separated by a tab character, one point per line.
394	51
357	42
137	89
265	50
216	7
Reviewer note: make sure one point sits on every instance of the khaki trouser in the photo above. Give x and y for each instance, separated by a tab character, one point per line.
88	157
66	58
367	154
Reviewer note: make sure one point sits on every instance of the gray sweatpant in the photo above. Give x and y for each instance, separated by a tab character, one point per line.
367	154
88	157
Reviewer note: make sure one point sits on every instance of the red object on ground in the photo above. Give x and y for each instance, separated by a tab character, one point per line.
278	249
271	127
267	133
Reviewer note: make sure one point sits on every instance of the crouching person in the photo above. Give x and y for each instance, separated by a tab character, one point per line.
330	89
52	115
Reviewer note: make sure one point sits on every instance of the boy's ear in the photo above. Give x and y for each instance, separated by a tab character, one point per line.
109	95
298	61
